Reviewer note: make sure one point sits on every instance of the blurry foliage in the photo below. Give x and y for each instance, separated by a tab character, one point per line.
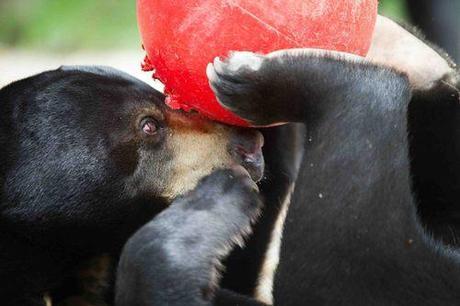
68	25
395	9
64	25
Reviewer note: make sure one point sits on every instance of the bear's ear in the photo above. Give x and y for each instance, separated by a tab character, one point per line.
394	46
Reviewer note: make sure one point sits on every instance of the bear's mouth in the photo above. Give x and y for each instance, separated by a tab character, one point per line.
255	166
246	149
250	178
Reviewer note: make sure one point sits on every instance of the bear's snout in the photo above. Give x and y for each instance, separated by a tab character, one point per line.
246	147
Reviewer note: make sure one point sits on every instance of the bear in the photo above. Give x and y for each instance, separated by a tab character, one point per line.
87	156
373	216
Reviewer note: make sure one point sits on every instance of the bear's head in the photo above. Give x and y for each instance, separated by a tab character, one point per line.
89	153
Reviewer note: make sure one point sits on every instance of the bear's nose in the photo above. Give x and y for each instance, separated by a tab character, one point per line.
247	149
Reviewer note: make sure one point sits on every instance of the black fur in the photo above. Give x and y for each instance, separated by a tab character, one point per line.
243	266
378	177
63	170
193	235
353	235
435	150
78	176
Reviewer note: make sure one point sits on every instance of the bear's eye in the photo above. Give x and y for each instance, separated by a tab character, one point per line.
149	126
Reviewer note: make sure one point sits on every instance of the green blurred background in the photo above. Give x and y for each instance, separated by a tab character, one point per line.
74	25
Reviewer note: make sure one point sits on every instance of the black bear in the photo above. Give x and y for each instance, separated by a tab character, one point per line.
374	216
87	156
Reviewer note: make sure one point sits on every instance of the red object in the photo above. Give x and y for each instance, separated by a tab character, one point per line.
182	37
